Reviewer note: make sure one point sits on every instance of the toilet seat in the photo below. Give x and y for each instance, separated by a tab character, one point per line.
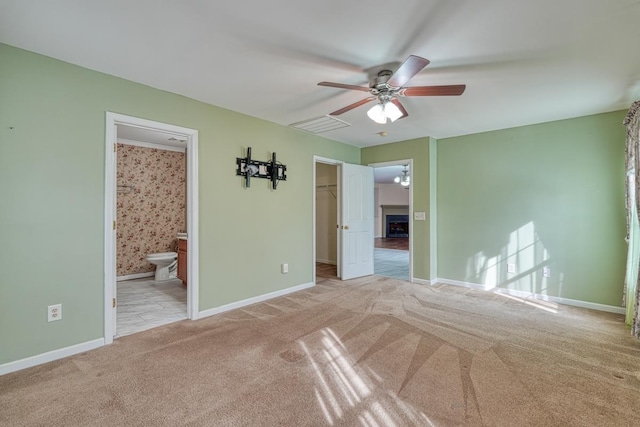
162	255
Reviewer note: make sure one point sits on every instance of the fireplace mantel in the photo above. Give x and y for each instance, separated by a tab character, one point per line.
399	207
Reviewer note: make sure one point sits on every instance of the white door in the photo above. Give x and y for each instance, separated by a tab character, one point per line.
357	221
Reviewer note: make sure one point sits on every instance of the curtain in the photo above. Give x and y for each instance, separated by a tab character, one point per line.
632	159
633	255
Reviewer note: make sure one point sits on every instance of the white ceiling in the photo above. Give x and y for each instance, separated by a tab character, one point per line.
386	174
523	61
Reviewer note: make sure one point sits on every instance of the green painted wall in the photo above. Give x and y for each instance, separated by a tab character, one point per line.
548	194
543	195
418	150
52	142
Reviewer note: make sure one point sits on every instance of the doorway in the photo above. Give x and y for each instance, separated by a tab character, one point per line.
326	247
169	138
393	195
151	220
353	219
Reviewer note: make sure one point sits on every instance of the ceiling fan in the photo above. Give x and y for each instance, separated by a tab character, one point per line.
387	86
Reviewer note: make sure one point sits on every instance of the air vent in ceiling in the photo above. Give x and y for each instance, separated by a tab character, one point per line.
320	124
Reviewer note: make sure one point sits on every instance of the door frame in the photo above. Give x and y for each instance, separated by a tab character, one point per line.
338	164
191	136
411	219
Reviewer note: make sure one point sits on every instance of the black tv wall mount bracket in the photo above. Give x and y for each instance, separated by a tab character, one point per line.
271	170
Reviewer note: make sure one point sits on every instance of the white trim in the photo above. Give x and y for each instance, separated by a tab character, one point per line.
400	162
193	228
50	356
109	233
151	145
421	281
411	218
461	283
134	276
320	159
532	295
327	261
254	300
191	136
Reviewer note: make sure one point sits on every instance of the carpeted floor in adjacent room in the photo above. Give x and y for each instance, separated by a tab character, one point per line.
366	352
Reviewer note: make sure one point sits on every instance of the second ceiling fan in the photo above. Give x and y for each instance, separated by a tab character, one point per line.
387	86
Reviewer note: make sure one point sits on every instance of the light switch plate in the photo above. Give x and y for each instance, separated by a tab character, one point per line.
419	216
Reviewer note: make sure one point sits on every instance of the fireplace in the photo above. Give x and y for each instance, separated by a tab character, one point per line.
397	226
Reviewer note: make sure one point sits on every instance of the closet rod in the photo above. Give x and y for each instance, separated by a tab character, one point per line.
328	189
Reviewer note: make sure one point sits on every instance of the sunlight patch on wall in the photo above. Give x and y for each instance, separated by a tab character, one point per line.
521	264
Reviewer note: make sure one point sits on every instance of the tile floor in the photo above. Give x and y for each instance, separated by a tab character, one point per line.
387	262
391	263
144	304
401	243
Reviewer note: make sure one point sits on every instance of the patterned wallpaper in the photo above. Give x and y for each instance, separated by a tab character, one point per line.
151	213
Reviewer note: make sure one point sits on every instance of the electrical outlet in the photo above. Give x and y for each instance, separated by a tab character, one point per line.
54	312
546	272
284	268
511	268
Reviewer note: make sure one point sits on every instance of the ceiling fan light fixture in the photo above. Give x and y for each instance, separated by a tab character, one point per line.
377	114
387	86
392	111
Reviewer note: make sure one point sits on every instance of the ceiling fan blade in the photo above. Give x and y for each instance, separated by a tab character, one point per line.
352	106
409	68
344	86
448	90
398	104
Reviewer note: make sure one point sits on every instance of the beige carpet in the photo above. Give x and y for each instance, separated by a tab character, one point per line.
367	352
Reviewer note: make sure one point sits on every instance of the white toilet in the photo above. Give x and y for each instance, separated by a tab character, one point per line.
166	265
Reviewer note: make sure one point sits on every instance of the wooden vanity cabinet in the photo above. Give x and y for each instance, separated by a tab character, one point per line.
182	261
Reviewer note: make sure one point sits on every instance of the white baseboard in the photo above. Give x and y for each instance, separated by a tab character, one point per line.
461	283
421	281
532	295
50	356
135	276
326	261
253	300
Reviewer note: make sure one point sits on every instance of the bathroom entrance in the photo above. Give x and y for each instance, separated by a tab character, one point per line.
150	258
